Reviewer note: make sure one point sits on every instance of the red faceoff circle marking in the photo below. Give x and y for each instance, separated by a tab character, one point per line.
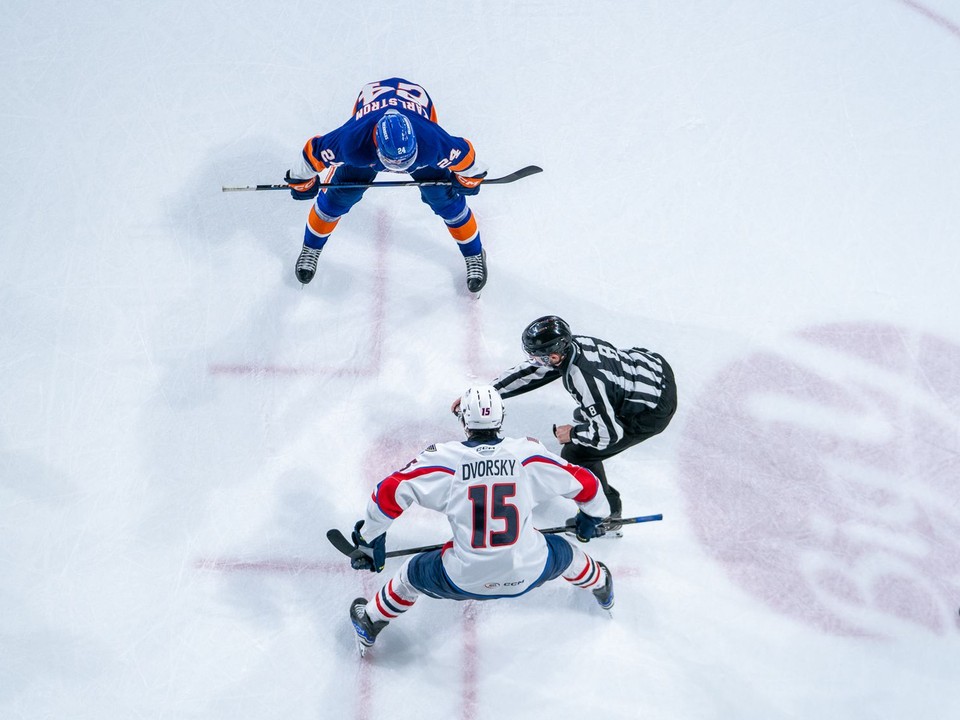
825	478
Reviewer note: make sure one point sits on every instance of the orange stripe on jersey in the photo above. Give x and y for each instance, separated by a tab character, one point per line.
319	226
465	232
467	159
328	178
315	162
433	114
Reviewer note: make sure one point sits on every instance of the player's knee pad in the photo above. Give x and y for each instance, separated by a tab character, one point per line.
338	201
444	201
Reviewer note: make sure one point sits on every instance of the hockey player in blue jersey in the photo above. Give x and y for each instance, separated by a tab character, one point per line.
393	128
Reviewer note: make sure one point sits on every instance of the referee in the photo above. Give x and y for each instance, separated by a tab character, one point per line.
623	396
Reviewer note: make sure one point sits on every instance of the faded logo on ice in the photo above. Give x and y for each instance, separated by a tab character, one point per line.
824	477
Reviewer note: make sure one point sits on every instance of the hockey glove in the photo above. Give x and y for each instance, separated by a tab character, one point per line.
301	189
588	526
466	185
368	555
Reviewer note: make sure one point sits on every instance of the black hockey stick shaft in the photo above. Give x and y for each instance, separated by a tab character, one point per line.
340	542
512	177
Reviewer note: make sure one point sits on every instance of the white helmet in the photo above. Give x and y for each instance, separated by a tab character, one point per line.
481	408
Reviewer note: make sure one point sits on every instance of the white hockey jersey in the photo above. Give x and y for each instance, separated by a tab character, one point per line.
488	491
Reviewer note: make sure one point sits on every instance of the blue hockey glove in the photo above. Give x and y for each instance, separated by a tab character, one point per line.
301	189
588	526
369	555
467	185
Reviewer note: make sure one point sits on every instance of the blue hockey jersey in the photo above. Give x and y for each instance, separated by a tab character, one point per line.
354	143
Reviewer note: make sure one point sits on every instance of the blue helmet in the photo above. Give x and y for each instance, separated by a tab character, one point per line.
396	141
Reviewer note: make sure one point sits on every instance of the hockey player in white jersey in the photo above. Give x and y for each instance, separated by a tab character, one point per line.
487	486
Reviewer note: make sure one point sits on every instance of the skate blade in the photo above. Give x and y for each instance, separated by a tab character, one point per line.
361	648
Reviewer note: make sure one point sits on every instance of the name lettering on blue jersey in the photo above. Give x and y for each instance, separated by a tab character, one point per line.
487	468
390	103
376	96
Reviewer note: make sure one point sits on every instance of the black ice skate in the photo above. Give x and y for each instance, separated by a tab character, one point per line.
366	629
307	264
613	524
476	271
604	595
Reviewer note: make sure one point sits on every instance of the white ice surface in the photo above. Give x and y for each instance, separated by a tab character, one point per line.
764	192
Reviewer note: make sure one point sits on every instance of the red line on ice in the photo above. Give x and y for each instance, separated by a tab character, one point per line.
292	567
931	15
470	670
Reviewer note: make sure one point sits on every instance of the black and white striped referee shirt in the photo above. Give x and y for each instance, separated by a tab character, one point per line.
609	385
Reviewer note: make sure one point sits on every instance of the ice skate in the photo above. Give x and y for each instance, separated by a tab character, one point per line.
366	630
612	521
307	264
476	271
613	525
604	595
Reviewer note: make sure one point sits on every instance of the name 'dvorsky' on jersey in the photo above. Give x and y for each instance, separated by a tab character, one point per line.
486	468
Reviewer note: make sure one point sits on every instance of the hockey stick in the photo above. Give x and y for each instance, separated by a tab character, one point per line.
512	177
340	542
